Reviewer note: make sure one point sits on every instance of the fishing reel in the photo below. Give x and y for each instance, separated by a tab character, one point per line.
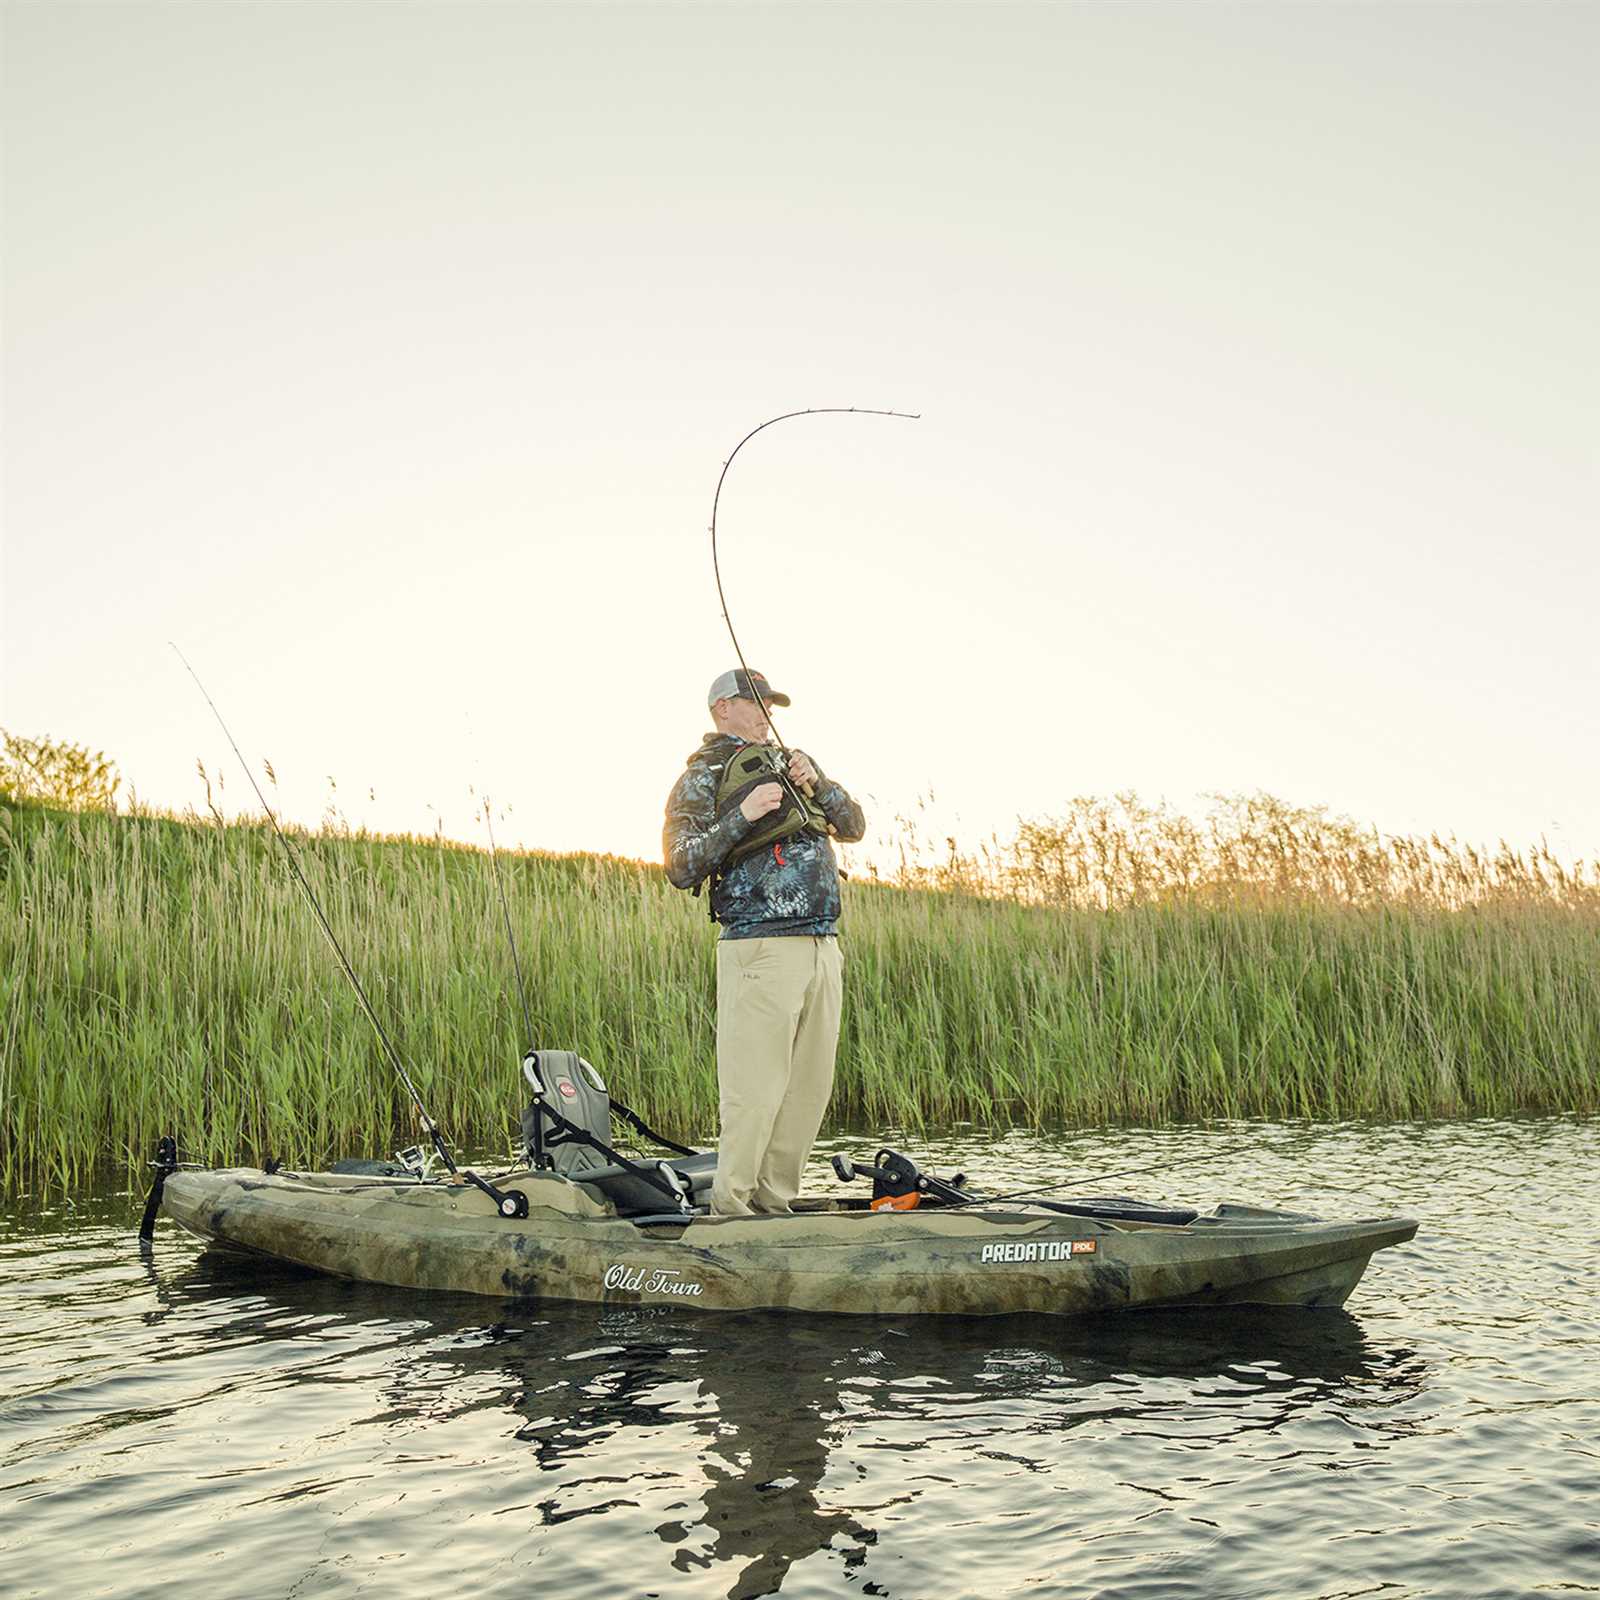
898	1184
417	1161
753	767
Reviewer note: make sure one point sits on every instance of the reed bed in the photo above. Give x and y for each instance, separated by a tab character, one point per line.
1110	854
164	974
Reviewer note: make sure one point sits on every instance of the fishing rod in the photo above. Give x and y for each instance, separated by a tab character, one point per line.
530	1058
890	1167
716	568
429	1125
1103	1177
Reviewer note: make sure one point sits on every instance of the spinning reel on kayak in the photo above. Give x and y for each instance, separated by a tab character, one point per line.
898	1184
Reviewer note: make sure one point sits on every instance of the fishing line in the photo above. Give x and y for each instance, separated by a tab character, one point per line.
505	909
429	1125
716	568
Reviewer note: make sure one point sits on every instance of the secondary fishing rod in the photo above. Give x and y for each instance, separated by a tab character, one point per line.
1104	1177
429	1125
782	766
508	1202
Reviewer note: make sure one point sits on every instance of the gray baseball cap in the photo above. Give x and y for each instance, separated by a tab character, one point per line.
740	685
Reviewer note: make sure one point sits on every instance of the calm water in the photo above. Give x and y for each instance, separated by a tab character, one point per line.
190	1419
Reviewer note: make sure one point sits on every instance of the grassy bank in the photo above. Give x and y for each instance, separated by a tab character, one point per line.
160	974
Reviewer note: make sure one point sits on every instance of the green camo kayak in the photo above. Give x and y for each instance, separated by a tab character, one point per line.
982	1258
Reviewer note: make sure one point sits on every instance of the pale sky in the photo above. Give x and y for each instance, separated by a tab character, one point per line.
384	356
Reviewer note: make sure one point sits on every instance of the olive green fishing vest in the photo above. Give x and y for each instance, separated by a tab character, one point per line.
748	768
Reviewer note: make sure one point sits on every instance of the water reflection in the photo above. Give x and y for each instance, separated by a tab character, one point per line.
732	1422
771	1412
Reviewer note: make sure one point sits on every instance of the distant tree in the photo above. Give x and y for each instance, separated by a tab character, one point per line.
57	773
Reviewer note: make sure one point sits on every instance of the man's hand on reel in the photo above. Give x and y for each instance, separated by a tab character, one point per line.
761	801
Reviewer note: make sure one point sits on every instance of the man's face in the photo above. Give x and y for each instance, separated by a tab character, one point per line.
744	718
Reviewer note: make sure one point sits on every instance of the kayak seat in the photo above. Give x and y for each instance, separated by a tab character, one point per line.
579	1093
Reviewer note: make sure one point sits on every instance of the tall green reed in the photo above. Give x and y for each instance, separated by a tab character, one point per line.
164	974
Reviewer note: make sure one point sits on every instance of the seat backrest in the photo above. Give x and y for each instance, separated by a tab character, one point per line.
578	1092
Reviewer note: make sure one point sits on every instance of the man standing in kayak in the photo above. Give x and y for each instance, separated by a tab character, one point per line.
764	844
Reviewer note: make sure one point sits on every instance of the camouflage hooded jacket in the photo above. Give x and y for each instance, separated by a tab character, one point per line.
788	888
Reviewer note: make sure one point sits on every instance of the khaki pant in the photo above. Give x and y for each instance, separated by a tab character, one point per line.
777	1029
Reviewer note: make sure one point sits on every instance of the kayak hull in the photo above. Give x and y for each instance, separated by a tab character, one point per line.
981	1260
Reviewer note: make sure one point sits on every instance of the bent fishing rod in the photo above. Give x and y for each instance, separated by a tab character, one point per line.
716	567
510	1203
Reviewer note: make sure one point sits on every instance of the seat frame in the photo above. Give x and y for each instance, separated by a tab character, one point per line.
624	1182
